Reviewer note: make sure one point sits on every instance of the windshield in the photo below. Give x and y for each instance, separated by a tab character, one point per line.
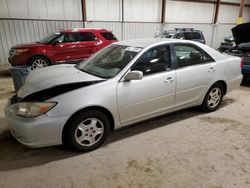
108	62
49	38
165	35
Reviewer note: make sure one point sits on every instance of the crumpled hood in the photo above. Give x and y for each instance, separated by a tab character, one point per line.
241	33
49	77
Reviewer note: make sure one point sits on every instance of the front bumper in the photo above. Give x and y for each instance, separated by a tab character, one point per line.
21	59
36	132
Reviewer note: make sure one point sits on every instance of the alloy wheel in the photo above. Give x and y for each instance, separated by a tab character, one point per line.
89	132
39	63
214	97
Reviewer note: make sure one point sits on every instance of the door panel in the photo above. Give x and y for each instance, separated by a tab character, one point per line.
195	69
65	52
86	49
88	44
153	94
66	47
192	83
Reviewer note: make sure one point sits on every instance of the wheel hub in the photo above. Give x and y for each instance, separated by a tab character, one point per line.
89	132
214	97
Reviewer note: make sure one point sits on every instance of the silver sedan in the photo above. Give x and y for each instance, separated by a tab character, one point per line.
124	83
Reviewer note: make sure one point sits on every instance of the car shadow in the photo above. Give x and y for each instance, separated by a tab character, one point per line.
14	155
245	83
5	73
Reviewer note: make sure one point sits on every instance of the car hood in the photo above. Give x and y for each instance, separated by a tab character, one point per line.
28	45
241	33
55	80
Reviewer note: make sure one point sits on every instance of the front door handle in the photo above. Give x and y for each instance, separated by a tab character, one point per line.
169	80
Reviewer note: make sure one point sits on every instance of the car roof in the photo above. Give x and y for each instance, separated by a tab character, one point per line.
181	31
84	30
143	43
151	42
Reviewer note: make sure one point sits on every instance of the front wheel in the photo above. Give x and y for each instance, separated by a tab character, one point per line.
213	98
39	62
87	131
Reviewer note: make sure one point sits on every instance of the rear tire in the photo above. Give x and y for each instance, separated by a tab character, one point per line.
213	98
39	62
87	131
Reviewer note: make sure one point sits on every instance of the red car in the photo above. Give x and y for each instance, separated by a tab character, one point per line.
62	47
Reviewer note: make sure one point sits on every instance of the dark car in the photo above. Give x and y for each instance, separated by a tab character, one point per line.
61	47
226	44
183	33
242	47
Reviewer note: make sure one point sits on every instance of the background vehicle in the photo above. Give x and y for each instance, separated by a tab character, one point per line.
226	44
124	83
243	51
183	33
61	47
242	47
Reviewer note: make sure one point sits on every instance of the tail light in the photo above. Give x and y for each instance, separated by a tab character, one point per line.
241	63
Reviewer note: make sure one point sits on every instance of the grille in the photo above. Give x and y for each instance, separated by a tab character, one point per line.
11	53
15	99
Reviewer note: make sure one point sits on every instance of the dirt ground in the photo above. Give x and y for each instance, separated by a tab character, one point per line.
184	149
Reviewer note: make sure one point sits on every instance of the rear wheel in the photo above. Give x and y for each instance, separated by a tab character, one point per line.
39	62
213	98
87	131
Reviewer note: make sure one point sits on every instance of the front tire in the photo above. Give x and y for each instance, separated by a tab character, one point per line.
86	131
39	62
213	98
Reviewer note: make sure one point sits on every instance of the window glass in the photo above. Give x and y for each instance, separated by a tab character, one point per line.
187	55
87	36
188	35
179	36
196	35
154	61
67	37
108	36
49	38
109	61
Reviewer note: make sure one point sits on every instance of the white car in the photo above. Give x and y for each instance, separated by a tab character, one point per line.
122	84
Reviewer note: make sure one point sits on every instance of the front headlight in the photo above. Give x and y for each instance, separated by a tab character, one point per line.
20	51
31	109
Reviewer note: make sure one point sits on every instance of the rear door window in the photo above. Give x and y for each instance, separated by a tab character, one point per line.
188	35
108	36
187	55
86	36
196	35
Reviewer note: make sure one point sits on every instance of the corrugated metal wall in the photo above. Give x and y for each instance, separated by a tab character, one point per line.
24	21
13	32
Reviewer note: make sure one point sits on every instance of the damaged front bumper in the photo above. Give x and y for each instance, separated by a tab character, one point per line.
35	132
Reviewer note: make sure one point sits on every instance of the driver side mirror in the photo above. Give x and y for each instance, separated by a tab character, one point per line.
55	42
134	75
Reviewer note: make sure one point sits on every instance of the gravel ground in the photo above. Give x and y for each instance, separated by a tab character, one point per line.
184	149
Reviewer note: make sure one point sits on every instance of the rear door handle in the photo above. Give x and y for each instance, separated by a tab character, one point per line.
169	80
72	46
211	69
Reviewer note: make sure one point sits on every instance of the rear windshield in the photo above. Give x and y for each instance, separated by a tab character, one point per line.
108	36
